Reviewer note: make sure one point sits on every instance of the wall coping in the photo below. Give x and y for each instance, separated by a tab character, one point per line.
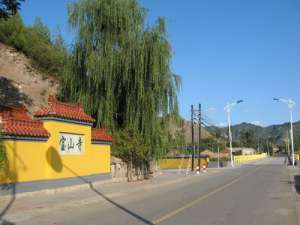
60	119
22	138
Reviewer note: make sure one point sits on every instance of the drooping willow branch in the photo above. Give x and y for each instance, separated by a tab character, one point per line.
119	69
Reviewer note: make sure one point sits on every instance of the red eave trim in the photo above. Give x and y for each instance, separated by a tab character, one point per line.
101	135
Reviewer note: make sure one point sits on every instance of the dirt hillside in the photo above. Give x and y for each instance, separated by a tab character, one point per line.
21	83
188	132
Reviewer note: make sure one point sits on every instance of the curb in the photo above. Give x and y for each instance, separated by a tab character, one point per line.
78	187
297	197
83	186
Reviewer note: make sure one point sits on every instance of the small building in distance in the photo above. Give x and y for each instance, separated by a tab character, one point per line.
244	151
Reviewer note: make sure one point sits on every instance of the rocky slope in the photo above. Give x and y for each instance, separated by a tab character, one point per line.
21	83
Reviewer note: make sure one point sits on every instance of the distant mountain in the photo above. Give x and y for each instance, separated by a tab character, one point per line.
236	129
278	133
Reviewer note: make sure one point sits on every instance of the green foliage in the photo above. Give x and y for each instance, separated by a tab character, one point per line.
40	30
222	159
35	42
173	126
13	32
120	70
209	143
9	8
129	146
248	138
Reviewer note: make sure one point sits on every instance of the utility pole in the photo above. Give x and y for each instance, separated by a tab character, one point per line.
199	141
218	156
193	141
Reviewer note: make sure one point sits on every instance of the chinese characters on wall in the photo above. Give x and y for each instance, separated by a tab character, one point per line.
71	143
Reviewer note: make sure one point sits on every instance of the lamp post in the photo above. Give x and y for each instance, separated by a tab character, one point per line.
196	117
290	103
228	108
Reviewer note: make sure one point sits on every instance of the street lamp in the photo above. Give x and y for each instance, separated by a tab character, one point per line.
290	103
228	108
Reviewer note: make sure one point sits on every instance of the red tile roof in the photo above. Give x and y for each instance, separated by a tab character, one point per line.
100	135
64	110
16	122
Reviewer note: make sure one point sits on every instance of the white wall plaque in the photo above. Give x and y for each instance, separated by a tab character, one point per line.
71	143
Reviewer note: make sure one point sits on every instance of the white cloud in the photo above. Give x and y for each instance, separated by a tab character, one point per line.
245	110
257	123
222	124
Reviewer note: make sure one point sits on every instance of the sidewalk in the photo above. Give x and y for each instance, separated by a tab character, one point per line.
294	173
18	208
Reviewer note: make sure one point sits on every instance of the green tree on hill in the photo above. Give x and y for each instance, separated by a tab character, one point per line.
41	30
9	8
248	138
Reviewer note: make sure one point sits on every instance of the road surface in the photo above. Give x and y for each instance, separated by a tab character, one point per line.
257	193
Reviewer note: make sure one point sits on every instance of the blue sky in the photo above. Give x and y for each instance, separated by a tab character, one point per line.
224	51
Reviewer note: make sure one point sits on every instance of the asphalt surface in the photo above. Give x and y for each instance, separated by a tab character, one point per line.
257	193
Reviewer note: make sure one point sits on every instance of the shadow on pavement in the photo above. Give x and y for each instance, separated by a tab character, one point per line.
297	183
142	219
5	222
59	165
11	202
128	211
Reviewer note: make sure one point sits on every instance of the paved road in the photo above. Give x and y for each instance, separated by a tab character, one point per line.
257	193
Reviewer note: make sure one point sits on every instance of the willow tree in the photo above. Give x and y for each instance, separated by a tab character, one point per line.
119	68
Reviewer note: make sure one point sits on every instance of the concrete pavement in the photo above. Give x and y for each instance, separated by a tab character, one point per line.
255	193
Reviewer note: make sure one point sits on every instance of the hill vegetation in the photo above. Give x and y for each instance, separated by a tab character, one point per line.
250	135
47	54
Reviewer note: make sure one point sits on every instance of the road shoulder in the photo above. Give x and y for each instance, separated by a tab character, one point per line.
28	206
294	173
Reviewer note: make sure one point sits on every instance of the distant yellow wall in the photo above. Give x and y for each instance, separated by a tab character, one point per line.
179	163
246	158
38	160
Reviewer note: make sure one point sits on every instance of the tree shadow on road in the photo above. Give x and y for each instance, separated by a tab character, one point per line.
12	187
297	183
59	164
5	222
128	211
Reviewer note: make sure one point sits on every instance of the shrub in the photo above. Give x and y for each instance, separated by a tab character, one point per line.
35	42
